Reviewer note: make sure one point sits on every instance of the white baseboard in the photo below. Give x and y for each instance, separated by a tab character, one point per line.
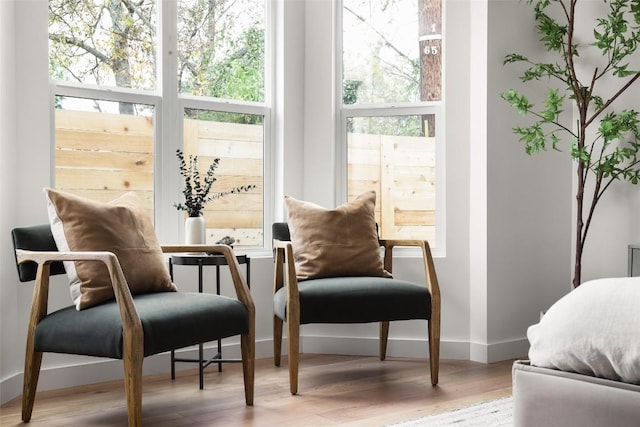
369	347
489	353
102	370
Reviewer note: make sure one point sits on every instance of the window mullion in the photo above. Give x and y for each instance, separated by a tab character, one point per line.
168	125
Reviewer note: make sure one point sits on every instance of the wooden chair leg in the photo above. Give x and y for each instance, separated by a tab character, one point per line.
384	335
248	348
33	360
277	340
293	339
133	387
434	349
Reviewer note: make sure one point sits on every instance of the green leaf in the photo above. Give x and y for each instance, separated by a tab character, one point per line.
579	153
553	103
514	57
554	141
520	102
552	33
623	71
532	137
597	100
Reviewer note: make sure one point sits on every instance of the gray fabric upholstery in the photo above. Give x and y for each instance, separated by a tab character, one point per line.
170	320
35	238
548	397
281	231
357	300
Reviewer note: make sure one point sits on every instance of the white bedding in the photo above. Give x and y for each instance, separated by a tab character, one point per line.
593	330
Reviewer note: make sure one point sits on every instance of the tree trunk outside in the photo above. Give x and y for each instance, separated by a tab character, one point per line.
430	41
120	53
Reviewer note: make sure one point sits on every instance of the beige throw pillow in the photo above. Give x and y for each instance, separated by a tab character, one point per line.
335	242
120	226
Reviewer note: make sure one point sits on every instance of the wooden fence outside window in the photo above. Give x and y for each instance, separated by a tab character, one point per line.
101	156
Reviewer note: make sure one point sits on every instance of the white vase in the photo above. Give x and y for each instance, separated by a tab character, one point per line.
194	230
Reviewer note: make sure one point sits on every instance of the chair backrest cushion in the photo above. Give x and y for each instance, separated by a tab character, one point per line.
120	226
280	231
335	242
34	238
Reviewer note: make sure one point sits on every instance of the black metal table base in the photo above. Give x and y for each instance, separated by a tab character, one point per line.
201	260
204	363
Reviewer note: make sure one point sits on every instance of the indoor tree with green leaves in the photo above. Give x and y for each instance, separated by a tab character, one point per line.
604	143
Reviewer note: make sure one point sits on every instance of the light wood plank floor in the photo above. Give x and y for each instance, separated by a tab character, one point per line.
333	390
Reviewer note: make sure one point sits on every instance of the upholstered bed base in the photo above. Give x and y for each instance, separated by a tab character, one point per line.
548	397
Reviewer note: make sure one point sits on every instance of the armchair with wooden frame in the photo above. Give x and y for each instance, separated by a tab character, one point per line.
340	300
129	327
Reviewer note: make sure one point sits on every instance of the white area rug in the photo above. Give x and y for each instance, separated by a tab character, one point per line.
494	413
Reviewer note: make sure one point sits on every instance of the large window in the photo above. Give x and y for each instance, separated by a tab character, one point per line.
392	112
118	80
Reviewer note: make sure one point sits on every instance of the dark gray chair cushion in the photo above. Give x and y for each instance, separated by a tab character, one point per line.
171	320
357	300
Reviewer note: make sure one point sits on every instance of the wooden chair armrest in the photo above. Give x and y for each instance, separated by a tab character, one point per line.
401	242
131	324
284	257
427	259
41	257
118	281
239	282
282	244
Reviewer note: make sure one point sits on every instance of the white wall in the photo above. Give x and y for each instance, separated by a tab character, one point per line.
476	145
528	197
9	360
508	215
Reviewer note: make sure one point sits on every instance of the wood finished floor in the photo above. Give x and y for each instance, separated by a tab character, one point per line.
333	391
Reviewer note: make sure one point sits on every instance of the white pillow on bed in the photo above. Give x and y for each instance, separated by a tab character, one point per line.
593	330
